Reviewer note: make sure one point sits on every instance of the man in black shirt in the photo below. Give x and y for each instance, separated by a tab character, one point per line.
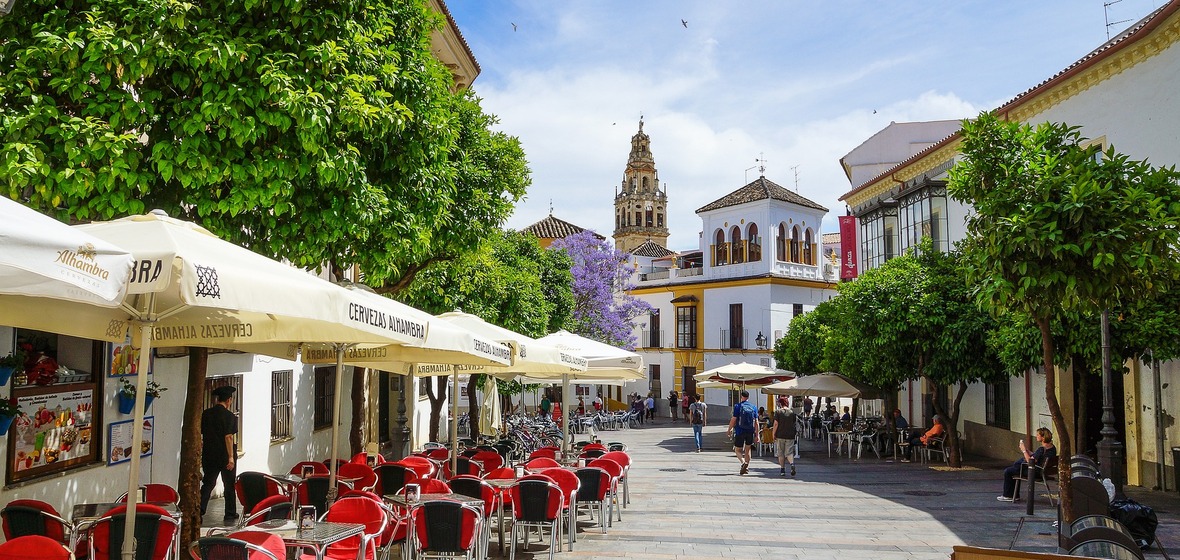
784	436
218	451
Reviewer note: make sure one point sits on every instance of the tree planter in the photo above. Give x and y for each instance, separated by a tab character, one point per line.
127	403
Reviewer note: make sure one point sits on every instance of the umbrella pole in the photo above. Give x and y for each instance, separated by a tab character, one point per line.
565	414
455	419
336	422
145	345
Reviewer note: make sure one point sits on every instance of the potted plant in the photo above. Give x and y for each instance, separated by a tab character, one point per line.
9	409
127	395
14	361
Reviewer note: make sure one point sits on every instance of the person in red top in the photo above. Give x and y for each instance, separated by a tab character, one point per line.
936	430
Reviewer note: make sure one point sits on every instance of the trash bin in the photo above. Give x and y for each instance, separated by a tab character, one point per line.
1176	468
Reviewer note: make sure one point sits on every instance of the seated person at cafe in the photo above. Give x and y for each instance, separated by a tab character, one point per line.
899	420
915	440
763	417
846	418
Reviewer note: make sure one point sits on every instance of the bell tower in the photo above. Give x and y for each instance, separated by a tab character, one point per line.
641	207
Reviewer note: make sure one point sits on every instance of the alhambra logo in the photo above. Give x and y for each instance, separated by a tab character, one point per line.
82	260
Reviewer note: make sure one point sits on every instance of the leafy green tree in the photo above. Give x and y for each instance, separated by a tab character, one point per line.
802	348
1059	227
509	281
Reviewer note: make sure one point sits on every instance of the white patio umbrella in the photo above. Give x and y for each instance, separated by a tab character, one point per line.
190	288
489	410
40	256
745	373
823	385
609	361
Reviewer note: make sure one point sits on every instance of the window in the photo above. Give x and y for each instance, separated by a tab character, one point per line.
325	396
999	407
235	406
660	220
735	338
638	218
807	252
653	335
795	244
737	254
649	211
686	327
653	375
796	310
688	382
755	243
878	235
923	214
780	244
720	252
280	405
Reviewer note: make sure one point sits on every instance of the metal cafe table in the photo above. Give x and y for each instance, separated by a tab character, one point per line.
317	538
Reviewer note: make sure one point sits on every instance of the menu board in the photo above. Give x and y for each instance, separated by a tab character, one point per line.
53	428
119	440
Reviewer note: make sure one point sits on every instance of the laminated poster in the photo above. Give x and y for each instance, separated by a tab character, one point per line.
119	440
123	358
53	427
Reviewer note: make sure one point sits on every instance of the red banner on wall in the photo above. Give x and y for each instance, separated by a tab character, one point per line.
848	266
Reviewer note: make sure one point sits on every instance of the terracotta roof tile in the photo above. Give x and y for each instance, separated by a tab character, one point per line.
760	189
554	228
650	248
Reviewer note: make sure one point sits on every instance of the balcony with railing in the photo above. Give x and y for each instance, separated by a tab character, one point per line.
734	339
654	338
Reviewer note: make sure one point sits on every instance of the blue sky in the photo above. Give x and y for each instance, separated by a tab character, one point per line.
801	82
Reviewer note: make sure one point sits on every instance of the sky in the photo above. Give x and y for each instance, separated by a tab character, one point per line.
723	85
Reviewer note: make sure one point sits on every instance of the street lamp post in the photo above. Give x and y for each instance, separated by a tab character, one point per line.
1110	449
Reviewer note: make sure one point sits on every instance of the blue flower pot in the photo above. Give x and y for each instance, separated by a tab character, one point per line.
5	423
127	404
5	373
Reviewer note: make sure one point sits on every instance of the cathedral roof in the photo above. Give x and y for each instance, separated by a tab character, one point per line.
554	228
760	189
650	248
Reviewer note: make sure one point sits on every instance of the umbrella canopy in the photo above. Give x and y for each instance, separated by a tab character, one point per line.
40	256
745	373
823	385
609	362
190	288
530	356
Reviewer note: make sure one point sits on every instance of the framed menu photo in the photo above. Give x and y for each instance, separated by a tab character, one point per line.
119	436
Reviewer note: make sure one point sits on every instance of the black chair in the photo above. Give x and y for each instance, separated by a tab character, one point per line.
445	529
594	493
253	487
313	491
1045	472
392	477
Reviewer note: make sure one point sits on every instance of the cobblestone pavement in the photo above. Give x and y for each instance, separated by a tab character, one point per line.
695	505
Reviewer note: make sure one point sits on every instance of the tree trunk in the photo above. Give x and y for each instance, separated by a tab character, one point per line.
954	451
473	381
436	392
360	409
190	446
1065	447
1080	419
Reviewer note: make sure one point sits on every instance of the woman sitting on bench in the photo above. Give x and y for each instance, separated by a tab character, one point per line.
1038	458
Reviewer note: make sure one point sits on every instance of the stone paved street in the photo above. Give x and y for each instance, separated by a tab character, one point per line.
690	505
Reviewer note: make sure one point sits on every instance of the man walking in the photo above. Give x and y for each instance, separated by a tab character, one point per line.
744	428
784	435
650	405
698	416
218	451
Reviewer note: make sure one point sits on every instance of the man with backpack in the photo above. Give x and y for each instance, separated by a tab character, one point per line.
744	428
697	416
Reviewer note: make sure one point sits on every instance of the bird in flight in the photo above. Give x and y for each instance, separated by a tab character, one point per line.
514	28
684	23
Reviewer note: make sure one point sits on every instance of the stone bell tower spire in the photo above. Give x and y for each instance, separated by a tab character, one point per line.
641	207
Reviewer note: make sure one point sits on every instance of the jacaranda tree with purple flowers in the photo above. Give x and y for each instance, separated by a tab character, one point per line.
603	310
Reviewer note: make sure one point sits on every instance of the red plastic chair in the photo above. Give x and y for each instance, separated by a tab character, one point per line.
313	491
464	465
438	454
33	547
362	458
624	460
502	473
446	527
536	502
316	468
422	466
357	509
149	520
253	487
488	460
359	474
392	477
158	493
433	486
615	471
569	483
547	452
594	492
34	517
475	487
246	545
591	446
272	507
539	463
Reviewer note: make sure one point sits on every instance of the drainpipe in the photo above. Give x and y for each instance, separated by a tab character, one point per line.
1028	403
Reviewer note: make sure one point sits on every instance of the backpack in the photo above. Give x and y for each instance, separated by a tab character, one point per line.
747	416
697	416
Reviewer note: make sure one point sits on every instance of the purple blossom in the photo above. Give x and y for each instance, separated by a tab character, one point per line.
603	310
